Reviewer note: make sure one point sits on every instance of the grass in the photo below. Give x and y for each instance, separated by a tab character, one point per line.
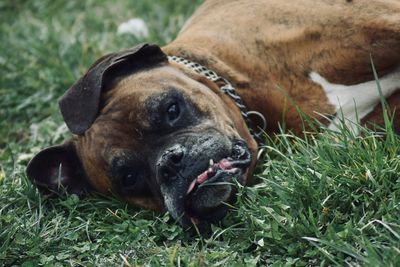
324	199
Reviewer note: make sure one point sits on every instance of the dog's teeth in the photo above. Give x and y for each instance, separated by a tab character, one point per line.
191	186
210	170
211	162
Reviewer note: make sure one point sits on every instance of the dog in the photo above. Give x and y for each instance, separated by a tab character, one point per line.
174	128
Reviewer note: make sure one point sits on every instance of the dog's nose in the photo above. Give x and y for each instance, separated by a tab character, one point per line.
170	162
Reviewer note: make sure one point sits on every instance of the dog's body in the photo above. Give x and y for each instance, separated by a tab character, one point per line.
265	45
146	128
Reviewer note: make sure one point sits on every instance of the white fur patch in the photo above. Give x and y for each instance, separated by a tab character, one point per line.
354	102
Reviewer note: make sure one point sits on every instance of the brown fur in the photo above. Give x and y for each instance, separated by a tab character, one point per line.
266	49
274	58
286	41
117	124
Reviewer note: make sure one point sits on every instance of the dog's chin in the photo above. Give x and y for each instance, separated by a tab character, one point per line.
206	204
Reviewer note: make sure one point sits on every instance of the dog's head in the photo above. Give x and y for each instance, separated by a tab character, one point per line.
153	133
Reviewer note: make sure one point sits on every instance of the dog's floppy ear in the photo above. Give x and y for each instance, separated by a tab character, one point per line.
80	104
57	169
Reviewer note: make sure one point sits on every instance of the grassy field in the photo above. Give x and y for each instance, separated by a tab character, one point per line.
324	199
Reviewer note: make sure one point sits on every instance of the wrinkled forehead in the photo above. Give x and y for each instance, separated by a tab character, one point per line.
153	81
137	91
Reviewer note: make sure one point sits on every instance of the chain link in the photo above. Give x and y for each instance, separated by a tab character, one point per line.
227	88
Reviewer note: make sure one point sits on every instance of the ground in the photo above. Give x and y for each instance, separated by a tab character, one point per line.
326	198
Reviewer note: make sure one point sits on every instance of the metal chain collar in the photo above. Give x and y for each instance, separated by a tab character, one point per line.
228	89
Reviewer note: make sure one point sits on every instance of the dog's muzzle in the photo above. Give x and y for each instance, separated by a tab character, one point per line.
196	177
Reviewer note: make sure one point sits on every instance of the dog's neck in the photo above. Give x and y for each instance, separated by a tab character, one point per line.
210	60
227	88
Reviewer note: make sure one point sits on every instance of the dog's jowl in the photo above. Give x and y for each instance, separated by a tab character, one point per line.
176	127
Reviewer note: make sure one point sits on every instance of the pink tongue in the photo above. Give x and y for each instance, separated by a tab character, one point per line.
224	164
202	177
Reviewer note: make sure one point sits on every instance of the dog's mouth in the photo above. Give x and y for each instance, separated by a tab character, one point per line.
206	183
213	172
208	192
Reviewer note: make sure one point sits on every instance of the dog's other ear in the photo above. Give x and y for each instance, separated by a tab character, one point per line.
80	104
57	169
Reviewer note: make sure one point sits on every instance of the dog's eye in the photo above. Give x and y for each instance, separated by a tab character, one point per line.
129	175
173	112
129	179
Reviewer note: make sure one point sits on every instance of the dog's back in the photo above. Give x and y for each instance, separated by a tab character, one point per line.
265	45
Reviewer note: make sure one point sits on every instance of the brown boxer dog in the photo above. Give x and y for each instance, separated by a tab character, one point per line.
168	128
